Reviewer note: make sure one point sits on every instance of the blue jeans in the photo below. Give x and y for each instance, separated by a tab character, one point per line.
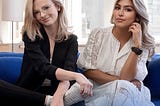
81	103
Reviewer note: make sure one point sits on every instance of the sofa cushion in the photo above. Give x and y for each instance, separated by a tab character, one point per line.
10	54
152	81
10	68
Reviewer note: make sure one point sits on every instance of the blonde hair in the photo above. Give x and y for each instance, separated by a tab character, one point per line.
147	40
32	26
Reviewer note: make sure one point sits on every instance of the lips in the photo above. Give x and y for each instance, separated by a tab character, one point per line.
45	20
119	20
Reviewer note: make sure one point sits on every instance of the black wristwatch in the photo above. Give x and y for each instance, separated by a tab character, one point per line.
136	50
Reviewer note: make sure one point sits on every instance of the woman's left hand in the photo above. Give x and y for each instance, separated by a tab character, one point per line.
136	30
137	83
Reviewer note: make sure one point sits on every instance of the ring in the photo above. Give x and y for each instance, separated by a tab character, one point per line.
82	89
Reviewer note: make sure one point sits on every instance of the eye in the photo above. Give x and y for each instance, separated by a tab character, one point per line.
128	9
117	7
45	7
36	12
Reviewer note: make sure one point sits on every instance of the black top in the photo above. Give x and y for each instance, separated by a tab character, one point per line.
36	60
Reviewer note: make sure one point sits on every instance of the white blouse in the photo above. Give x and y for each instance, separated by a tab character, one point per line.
102	52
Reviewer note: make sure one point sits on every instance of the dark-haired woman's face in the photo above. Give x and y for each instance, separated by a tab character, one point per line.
124	13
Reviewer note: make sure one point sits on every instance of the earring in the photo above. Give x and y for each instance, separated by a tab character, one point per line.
137	20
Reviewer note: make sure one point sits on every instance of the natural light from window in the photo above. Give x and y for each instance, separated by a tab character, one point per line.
84	15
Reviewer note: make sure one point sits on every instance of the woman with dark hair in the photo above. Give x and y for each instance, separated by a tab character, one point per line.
114	59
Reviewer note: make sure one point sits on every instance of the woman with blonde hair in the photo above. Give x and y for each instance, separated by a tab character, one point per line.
114	59
50	50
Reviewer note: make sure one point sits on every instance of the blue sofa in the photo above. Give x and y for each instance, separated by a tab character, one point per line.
152	81
10	65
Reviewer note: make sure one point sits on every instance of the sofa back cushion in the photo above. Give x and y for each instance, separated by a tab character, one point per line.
10	54
152	81
10	68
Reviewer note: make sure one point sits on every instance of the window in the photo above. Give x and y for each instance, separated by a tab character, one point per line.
154	15
84	15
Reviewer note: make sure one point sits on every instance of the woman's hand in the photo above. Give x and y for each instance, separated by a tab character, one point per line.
137	83
58	95
85	85
135	28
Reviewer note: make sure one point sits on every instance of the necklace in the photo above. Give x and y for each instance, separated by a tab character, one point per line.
50	60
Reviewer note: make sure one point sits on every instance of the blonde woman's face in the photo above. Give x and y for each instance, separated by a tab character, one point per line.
124	13
45	12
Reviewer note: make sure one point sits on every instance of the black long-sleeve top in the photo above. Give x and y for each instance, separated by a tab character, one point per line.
36	64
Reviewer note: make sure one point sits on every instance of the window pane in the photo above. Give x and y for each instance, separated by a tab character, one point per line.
84	15
154	15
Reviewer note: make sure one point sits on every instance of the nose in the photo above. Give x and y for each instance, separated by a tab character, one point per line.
121	12
42	14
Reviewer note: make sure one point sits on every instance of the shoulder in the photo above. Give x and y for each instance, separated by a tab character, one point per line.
70	40
27	39
72	37
100	31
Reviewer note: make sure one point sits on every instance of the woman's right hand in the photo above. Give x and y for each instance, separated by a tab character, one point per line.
85	85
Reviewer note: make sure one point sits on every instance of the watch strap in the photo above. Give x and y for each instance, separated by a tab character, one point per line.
136	50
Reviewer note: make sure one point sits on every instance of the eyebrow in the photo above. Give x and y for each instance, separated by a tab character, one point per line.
125	5
42	7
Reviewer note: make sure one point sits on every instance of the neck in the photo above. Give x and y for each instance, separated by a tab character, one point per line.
51	30
121	34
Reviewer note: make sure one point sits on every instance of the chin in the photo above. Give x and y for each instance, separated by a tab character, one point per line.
48	24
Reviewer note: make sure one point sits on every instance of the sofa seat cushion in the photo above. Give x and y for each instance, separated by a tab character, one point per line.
156	101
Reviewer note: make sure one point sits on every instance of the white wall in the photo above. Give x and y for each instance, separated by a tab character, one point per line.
108	7
1	7
15	11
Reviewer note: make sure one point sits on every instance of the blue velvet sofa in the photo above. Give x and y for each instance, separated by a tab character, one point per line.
152	81
10	65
